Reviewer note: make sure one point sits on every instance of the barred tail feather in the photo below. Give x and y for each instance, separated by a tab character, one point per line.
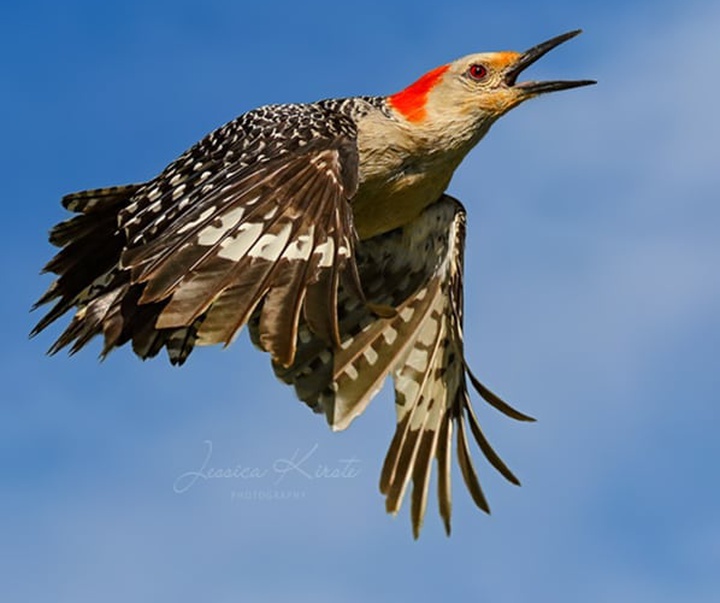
90	247
91	281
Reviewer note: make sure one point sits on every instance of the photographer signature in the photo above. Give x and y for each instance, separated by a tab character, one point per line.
298	464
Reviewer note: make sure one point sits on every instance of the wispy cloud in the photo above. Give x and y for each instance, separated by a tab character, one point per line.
592	259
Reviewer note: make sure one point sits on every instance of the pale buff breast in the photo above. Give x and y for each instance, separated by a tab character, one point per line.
403	169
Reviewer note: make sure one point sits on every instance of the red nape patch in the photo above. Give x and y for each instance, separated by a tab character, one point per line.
411	101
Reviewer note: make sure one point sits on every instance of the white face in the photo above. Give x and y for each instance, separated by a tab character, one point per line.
476	84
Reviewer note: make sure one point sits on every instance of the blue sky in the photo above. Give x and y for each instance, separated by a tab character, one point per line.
591	302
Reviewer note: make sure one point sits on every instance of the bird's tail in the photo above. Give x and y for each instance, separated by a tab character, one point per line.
92	281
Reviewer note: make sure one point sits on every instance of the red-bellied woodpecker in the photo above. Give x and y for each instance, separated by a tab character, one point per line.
326	229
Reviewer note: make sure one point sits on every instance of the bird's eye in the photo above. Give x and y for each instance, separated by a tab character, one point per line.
477	71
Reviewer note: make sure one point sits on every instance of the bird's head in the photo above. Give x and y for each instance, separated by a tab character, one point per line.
479	86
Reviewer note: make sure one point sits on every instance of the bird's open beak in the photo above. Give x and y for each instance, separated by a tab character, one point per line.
533	54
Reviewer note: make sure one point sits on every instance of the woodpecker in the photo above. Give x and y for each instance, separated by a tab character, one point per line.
324	227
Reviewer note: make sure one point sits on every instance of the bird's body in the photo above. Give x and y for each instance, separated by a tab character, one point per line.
325	228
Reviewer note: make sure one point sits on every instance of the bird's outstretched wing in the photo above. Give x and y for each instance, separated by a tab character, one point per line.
256	215
411	328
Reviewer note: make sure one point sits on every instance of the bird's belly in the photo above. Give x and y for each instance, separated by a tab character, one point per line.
382	204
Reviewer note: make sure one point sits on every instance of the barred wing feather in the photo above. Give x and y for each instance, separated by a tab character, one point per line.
418	271
186	258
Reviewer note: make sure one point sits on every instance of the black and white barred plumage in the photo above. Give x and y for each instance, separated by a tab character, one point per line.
254	225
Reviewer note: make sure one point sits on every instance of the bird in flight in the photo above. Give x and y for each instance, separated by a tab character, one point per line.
325	228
